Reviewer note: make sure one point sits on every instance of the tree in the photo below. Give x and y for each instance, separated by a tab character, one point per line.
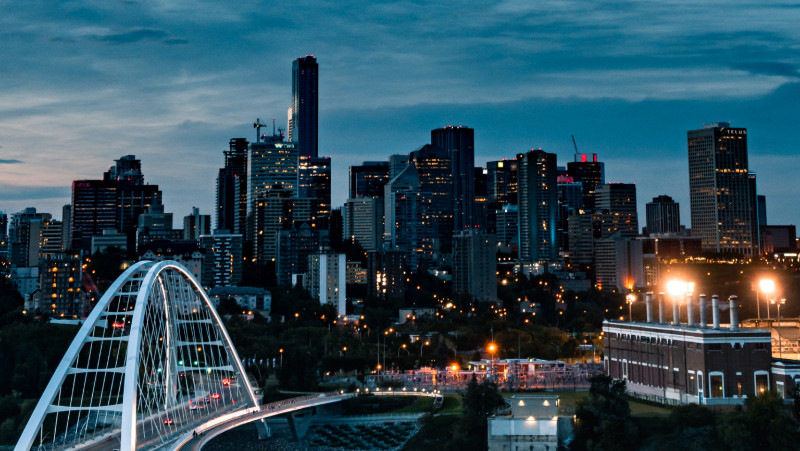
480	400
604	417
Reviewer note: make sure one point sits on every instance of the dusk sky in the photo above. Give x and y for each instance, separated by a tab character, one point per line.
85	82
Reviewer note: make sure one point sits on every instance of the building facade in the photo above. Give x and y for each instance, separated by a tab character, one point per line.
303	128
459	145
663	216
475	265
537	201
326	280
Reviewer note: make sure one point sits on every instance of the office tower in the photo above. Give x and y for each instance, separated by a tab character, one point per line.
590	173
51	238
66	219
272	162
232	188
475	265
507	228
754	220
305	109
61	294
156	225
501	181
134	197
663	216
480	207
537	197
404	225
619	199
293	247
277	209
761	206
195	225
619	263
459	143
397	163
336	228
363	222
314	182
222	262
368	179
325	280
570	198
3	236
719	189
433	167
94	209
25	235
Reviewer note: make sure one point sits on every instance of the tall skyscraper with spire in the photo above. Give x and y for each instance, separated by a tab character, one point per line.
305	110
720	188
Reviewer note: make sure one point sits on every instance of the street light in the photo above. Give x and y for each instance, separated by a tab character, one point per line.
492	348
768	287
402	346
630	299
281	352
779	303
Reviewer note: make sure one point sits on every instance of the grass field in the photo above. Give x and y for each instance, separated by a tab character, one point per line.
568	399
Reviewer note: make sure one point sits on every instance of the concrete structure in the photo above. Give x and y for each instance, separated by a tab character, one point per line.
475	265
720	189
663	216
532	425
326	280
537	201
693	362
222	259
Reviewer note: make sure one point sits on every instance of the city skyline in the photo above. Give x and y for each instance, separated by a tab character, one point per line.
99	84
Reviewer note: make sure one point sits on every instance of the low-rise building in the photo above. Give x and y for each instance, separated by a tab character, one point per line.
532	425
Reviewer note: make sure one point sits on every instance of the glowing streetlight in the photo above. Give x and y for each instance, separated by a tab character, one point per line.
768	287
630	299
677	289
492	348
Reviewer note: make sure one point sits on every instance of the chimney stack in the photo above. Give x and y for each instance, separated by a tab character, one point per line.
703	322
733	301
676	312
689	310
661	308
715	310
648	300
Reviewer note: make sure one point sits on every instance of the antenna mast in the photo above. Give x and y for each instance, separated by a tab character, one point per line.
575	145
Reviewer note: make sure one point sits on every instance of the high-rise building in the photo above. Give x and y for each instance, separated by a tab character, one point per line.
195	225
755	222
134	197
719	189
459	143
61	294
663	216
570	198
51	239
404	225
3	236
537	200
436	185
94	209
305	105
363	221
501	181
66	219
397	163
293	247
761	202
619	199
25	236
475	265
272	162
326	280
590	173
232	188
368	179
314	182
222	262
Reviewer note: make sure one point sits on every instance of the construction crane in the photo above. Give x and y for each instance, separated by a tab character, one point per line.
257	125
575	145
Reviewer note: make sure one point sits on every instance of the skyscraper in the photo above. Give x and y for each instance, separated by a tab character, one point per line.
305	109
663	216
94	209
436	185
232	188
590	173
719	189
537	207
314	182
459	143
619	199
501	181
368	179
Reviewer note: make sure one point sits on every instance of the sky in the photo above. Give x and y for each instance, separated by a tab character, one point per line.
85	82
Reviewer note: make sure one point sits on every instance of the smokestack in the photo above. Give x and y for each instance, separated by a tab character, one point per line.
733	301
689	310
648	300
661	308
676	312
703	322
715	310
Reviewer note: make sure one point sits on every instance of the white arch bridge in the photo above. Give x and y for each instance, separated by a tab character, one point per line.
151	363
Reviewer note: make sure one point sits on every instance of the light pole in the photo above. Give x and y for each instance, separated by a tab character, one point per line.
630	299
768	287
779	303
402	346
281	353
492	348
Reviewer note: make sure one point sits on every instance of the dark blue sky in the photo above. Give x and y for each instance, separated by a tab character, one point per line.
82	83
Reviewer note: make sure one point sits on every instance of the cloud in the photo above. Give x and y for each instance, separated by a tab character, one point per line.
10	161
136	35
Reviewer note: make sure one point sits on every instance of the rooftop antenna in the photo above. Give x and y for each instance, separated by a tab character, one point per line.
575	145
257	125
273	125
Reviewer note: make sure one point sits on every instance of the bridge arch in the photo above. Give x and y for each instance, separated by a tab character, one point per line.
151	362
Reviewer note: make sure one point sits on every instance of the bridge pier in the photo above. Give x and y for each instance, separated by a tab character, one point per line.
299	422
263	429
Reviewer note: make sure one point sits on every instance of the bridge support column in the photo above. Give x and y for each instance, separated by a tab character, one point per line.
299	422
263	429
